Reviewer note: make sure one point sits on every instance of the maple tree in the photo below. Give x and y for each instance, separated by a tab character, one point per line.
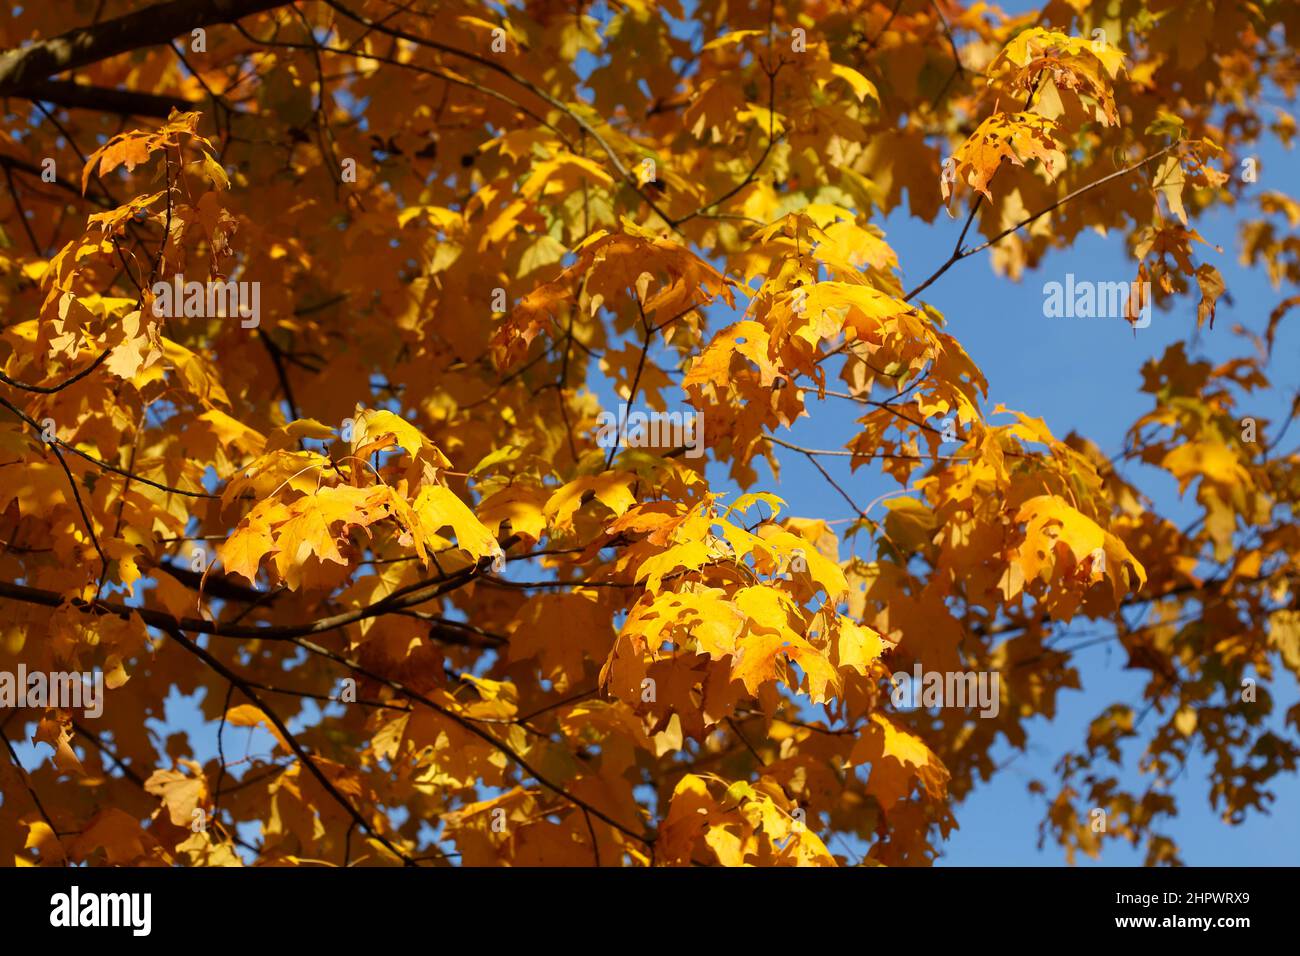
375	521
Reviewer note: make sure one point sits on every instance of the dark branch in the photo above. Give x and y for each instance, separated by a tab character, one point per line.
23	70
105	99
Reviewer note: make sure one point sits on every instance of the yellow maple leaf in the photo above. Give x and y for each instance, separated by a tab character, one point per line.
437	507
898	759
1013	137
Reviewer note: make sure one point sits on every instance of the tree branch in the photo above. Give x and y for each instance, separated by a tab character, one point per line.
22	71
103	99
958	253
301	752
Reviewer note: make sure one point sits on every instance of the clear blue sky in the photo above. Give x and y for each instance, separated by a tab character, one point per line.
1081	375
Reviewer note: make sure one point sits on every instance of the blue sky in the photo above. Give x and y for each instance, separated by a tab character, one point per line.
1077	375
1081	375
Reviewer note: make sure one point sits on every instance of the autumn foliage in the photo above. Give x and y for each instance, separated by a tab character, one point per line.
370	524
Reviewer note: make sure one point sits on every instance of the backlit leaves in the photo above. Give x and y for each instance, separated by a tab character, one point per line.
389	517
